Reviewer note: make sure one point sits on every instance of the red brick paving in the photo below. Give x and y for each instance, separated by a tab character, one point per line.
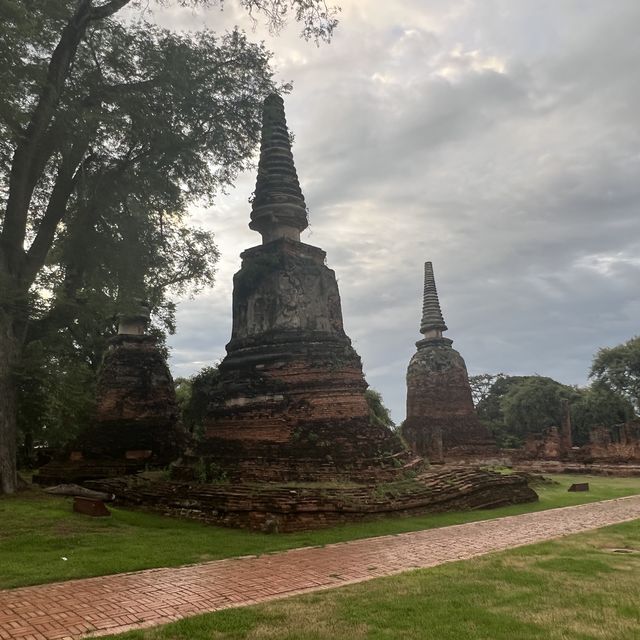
110	604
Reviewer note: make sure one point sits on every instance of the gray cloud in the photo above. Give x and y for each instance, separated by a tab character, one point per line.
499	140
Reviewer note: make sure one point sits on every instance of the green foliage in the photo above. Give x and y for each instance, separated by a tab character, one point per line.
110	128
56	398
490	412
534	405
194	396
598	405
481	386
210	473
619	369
518	405
378	414
183	389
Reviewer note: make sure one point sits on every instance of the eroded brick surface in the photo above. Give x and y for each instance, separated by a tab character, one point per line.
289	507
441	420
110	604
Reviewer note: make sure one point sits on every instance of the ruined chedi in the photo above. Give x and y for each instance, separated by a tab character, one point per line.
135	421
441	419
290	404
136	410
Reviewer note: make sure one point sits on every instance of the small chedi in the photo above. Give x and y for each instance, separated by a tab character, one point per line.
288	442
136	411
441	420
136	415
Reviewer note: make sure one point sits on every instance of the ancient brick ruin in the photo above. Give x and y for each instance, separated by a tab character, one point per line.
617	444
611	450
285	507
441	419
290	405
136	415
288	442
136	409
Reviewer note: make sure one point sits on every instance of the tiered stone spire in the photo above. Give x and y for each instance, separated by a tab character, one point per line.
278	209
432	324
290	401
441	420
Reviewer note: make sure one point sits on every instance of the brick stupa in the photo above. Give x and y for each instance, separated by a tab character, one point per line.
441	419
135	422
291	403
136	410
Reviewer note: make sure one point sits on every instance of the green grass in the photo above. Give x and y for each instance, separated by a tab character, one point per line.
575	588
38	530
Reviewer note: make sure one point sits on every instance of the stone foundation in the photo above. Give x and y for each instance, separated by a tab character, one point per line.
300	507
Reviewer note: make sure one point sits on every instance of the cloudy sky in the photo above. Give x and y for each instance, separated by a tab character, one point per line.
499	139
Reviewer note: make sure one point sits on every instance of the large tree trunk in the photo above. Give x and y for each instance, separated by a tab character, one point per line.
9	350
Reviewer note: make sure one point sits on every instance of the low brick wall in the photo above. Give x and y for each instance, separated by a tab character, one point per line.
299	506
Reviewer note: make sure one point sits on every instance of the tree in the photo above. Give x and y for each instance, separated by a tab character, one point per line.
378	414
489	409
108	130
535	404
193	398
519	405
598	405
482	384
619	369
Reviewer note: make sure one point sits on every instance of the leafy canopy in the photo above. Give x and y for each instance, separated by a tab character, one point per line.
619	369
110	128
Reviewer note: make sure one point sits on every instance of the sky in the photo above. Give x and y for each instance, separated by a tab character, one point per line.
499	139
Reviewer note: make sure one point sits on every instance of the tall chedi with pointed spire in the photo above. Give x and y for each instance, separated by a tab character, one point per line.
441	420
290	403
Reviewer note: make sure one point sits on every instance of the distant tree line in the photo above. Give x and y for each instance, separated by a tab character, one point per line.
514	406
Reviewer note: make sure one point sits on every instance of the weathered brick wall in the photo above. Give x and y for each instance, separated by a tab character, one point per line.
290	402
302	507
613	445
135	405
620	443
439	402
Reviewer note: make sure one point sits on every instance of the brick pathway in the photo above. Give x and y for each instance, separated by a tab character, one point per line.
110	604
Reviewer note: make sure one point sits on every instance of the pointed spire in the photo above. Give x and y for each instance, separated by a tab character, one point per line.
278	208
432	321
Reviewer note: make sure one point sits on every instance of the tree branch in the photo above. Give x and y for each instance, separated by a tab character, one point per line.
27	166
107	10
22	183
68	173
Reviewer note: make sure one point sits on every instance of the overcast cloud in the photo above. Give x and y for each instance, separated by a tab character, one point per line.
498	138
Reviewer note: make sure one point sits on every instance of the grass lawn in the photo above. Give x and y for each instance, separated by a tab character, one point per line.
38	531
576	588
